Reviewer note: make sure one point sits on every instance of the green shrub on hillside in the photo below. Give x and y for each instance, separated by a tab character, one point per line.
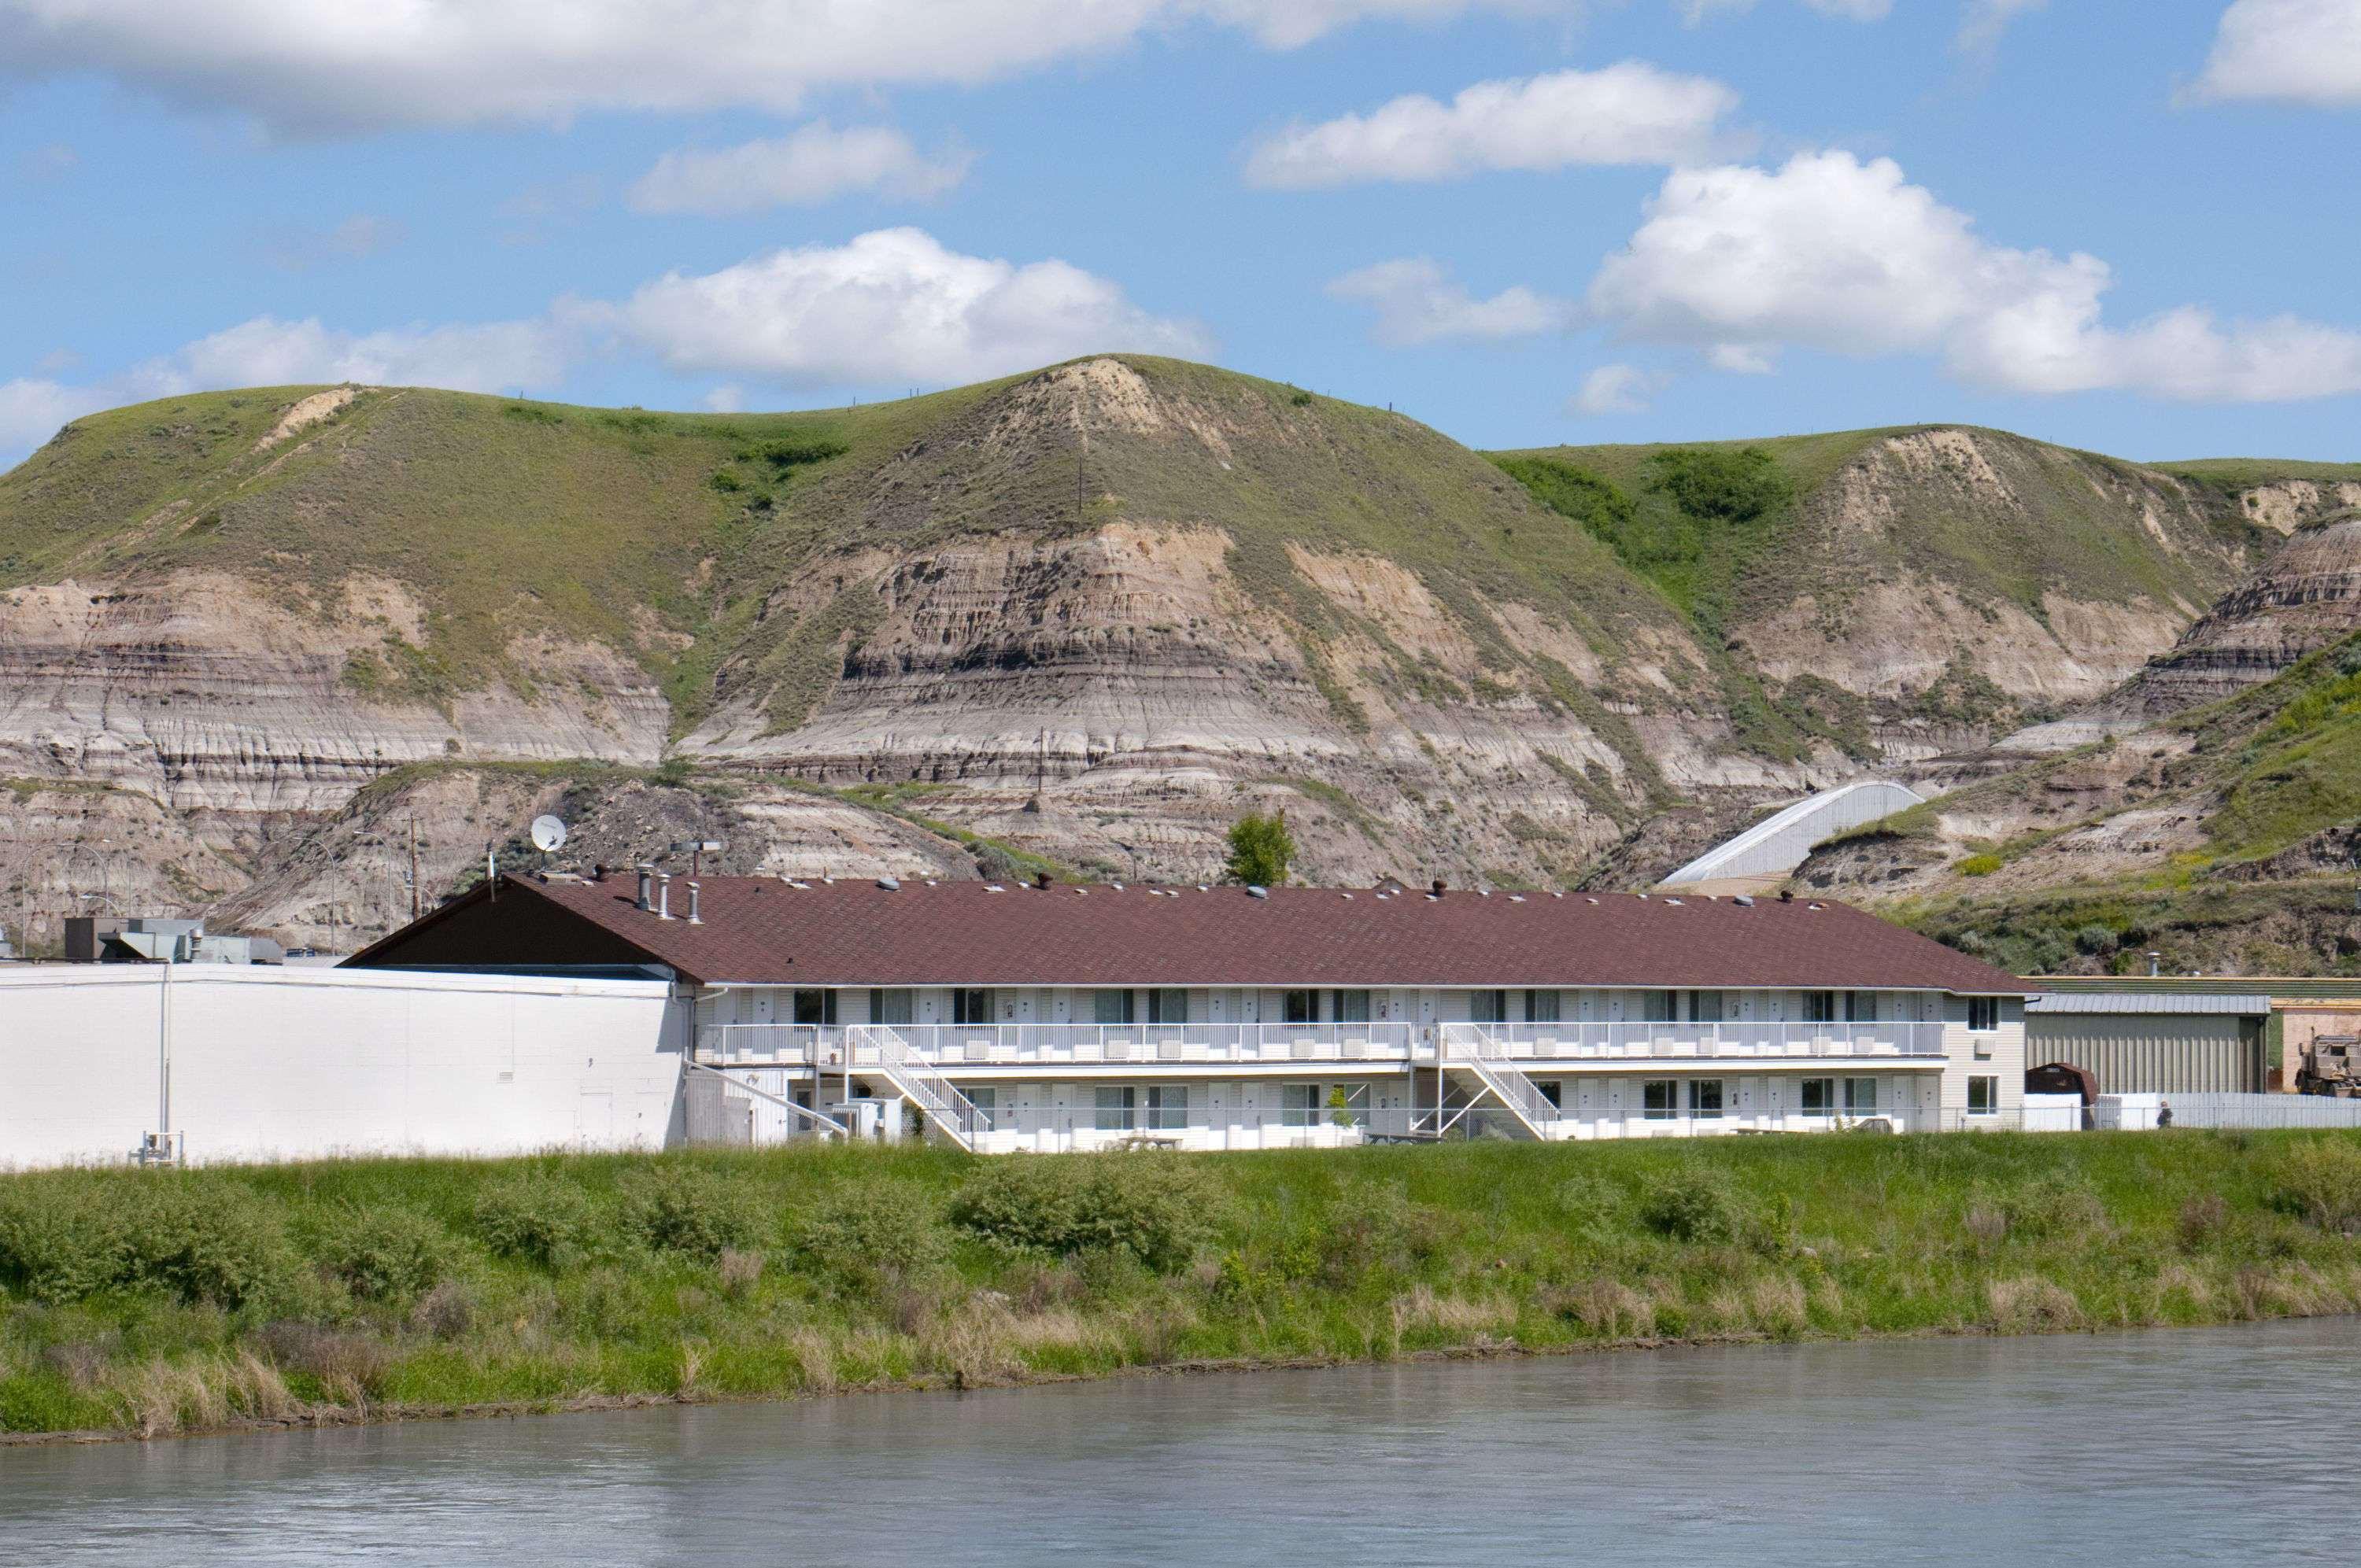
684	1209
152	1233
1693	1206
890	1225
2319	1179
1717	484
1158	1210
384	1254
534	1218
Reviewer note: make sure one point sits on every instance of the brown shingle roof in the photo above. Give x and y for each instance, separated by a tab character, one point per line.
765	930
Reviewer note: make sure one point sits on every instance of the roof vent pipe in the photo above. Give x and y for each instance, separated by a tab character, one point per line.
647	876
664	895
692	905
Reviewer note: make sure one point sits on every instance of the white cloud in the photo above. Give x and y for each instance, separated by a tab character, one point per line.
1983	22
890	306
301	66
1630	113
1831	253
2294	51
1617	390
814	163
893	307
1417	302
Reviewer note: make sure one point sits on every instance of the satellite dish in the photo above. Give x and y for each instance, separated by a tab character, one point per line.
548	833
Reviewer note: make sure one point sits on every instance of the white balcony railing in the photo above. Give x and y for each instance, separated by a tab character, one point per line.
1056	1045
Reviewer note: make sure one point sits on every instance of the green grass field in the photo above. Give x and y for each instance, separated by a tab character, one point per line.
158	1302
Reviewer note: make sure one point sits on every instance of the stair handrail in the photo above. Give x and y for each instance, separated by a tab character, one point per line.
935	1095
1475	1046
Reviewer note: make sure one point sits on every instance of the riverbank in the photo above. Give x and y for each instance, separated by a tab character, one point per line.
157	1302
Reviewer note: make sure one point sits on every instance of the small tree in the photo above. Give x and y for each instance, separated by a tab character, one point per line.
1261	849
1340	1105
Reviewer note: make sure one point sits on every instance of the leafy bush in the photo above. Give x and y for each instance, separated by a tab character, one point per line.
1979	865
384	1254
1692	1206
1261	849
1157	1208
68	1240
1712	483
2095	939
534	1218
2320	1178
2051	1205
686	1209
785	454
890	1225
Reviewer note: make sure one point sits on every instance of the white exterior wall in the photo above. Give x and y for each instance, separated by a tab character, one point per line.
269	1063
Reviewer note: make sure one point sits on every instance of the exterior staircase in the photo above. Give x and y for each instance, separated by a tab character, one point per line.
1472	1050
916	1080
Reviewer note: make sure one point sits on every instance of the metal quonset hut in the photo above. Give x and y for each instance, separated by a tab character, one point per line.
1063	1016
2146	1042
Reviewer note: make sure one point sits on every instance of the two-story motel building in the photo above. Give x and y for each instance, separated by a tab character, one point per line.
1018	1016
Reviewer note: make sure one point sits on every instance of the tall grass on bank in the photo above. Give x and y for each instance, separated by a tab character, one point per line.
153	1302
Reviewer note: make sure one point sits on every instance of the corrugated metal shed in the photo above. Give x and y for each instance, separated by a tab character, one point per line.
2148	1002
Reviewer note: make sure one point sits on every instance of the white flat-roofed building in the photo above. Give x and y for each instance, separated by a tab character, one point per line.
1061	1016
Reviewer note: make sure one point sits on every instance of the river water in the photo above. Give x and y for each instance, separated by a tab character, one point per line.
2230	1445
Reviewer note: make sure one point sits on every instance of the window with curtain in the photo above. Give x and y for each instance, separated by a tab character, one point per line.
986	1100
1705	1006
1820	1096
1983	1096
815	1007
1488	1006
1657	1006
1819	1007
1860	1096
1660	1100
1111	1006
1861	1007
1118	1110
972	1004
1303	1007
1168	1107
1542	1006
1167	1004
1984	1013
1349	1006
1705	1098
892	1004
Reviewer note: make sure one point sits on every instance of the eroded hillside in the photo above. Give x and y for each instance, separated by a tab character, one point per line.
1082	619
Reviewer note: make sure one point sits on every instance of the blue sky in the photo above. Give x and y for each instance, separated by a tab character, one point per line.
2128	227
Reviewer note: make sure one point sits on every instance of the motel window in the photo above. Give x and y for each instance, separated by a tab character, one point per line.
1541	1007
1168	1107
1659	1099
1984	1013
1118	1110
1705	1098
1860	1096
1488	1006
1819	1007
1861	1007
1111	1006
1553	1091
1303	1007
1167	1004
815	1007
1983	1096
1820	1096
1299	1104
1658	1006
986	1100
972	1004
1356	1106
1349	1006
1705	1006
892	1004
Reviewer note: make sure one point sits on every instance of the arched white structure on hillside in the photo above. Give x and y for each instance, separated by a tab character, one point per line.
1775	846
